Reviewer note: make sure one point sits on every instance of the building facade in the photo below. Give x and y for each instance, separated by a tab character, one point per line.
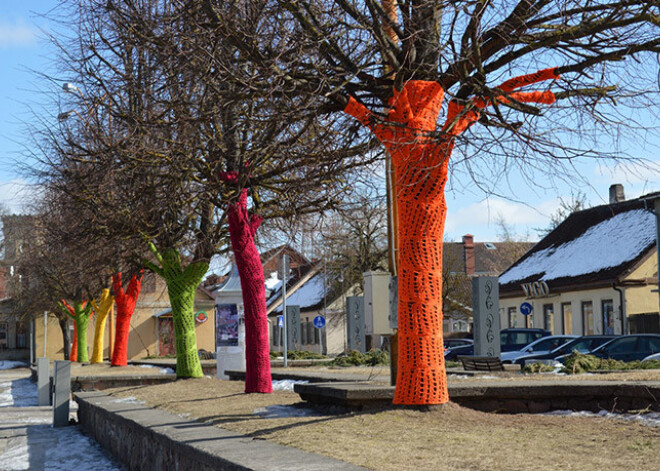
596	273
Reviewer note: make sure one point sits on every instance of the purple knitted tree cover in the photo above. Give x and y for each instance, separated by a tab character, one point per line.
257	350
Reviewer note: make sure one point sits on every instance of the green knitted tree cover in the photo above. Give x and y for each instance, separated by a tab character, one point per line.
181	287
80	312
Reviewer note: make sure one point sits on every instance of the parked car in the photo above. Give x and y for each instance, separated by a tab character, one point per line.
655	356
629	347
583	344
451	343
510	339
542	345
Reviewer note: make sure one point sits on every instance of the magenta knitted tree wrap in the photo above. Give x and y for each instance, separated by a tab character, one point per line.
125	301
242	229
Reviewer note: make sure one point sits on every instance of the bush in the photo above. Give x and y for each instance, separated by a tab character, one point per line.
303	355
297	355
582	363
538	368
355	358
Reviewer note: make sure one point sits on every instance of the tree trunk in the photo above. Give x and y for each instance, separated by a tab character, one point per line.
420	156
74	342
102	309
125	301
182	299
64	327
82	315
242	229
420	168
181	287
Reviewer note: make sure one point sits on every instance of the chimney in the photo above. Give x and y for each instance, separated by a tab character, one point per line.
468	253
616	193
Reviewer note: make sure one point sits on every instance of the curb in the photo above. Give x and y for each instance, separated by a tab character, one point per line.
145	438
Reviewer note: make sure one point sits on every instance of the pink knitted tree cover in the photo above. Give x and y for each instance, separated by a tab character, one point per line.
125	301
257	356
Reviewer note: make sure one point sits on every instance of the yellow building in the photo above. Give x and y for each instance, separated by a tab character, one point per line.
151	332
596	273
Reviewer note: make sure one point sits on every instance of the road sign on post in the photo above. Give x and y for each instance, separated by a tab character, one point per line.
526	309
319	322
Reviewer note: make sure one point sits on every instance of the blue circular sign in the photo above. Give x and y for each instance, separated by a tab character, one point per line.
319	322
526	309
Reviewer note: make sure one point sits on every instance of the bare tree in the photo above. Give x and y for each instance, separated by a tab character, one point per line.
390	65
178	137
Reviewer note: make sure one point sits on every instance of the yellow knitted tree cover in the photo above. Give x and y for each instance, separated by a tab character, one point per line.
102	309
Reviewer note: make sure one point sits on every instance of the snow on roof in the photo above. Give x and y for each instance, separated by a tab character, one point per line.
309	294
273	283
610	243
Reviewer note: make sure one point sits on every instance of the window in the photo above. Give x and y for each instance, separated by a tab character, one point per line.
529	321
567	318
548	316
512	316
587	318
624	345
649	345
3	335
607	307
21	335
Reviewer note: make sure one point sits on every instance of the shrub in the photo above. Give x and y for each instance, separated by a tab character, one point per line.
355	358
538	367
582	363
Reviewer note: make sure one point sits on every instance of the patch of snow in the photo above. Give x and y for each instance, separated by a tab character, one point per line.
273	283
282	412
10	364
600	247
651	419
308	294
127	400
286	384
163	371
18	393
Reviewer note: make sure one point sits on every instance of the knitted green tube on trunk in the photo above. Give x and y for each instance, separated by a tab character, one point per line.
82	315
181	287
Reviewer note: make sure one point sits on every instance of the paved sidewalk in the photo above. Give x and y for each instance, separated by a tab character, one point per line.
29	442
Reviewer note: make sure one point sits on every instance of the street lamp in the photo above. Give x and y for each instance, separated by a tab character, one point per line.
70	88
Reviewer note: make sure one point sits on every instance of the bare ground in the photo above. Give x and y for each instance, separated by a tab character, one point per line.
450	438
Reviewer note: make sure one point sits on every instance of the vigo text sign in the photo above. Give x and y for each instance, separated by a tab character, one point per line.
537	289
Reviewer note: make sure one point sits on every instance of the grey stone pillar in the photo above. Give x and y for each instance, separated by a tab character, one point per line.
43	381
355	323
62	393
486	312
293	334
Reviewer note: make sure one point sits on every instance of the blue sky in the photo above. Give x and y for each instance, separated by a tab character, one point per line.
525	206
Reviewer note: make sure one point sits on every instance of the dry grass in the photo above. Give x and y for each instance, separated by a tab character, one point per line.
450	438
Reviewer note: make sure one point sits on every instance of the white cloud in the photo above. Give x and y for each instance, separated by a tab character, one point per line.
16	34
16	196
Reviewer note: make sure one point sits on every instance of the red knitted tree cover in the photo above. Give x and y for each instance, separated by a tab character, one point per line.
420	158
257	356
125	301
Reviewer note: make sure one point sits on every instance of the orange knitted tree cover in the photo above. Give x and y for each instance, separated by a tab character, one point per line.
420	156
